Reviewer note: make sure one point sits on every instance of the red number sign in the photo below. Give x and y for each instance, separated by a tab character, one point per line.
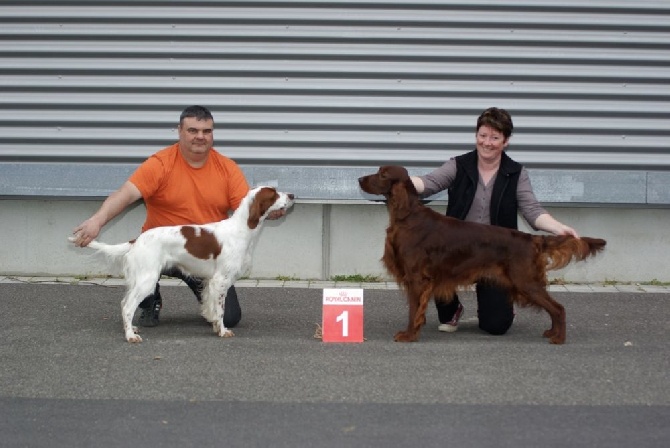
342	315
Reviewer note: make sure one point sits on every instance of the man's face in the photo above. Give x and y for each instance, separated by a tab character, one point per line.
196	137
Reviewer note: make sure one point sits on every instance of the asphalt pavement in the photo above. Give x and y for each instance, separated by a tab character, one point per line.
69	378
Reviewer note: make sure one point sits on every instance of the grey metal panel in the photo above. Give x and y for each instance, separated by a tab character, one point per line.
66	180
658	188
302	84
587	186
332	183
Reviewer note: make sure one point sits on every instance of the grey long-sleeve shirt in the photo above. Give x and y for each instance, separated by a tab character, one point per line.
441	178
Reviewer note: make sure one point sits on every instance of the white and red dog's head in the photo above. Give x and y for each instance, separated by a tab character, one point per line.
265	200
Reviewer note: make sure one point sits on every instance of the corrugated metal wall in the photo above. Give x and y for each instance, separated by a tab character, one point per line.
338	83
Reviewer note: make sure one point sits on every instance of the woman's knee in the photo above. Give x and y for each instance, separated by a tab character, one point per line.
495	309
496	325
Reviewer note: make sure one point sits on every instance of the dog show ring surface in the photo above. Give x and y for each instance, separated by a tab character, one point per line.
342	315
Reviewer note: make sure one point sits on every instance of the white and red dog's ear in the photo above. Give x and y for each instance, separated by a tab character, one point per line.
268	199
261	203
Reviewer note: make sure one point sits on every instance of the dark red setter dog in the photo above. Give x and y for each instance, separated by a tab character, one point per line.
431	255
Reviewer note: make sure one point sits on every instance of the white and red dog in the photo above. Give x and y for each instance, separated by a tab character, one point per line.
219	253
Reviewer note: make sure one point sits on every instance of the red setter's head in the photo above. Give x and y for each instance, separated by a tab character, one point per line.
383	180
393	182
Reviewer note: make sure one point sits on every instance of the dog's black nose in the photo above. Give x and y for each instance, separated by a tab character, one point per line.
291	196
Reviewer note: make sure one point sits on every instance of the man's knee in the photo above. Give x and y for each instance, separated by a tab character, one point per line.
232	312
232	317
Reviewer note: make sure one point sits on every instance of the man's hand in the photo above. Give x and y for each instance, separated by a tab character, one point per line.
276	214
86	232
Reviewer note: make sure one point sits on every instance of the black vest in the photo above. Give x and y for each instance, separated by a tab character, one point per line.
504	207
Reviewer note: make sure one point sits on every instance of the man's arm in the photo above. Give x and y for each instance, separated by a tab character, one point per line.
114	204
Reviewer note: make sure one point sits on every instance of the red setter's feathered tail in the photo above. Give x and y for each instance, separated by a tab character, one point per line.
561	250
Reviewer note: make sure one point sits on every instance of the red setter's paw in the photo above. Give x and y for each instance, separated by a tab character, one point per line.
550	333
405	336
558	340
555	336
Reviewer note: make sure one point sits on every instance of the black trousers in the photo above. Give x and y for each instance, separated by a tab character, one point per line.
494	308
232	313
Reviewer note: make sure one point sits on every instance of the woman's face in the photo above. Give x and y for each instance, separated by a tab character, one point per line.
490	143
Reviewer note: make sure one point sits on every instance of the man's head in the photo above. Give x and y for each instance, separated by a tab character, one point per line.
196	134
200	113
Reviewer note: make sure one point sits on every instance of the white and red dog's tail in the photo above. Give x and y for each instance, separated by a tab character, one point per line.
114	253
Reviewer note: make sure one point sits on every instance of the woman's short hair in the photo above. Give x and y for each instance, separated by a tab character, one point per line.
498	119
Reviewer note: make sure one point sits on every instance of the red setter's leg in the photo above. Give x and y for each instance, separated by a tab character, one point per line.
540	297
418	299
556	333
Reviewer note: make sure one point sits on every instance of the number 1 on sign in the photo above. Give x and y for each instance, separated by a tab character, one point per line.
344	318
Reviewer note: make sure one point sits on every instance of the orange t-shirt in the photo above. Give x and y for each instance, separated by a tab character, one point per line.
175	193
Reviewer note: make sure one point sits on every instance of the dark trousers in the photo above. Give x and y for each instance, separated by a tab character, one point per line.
494	308
232	313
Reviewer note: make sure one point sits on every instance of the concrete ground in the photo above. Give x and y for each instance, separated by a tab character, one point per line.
68	378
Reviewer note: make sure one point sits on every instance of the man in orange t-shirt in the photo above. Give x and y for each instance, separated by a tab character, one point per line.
186	183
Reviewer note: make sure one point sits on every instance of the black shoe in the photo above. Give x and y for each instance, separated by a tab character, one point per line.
151	308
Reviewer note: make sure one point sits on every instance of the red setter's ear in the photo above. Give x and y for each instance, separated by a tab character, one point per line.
393	173
399	203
